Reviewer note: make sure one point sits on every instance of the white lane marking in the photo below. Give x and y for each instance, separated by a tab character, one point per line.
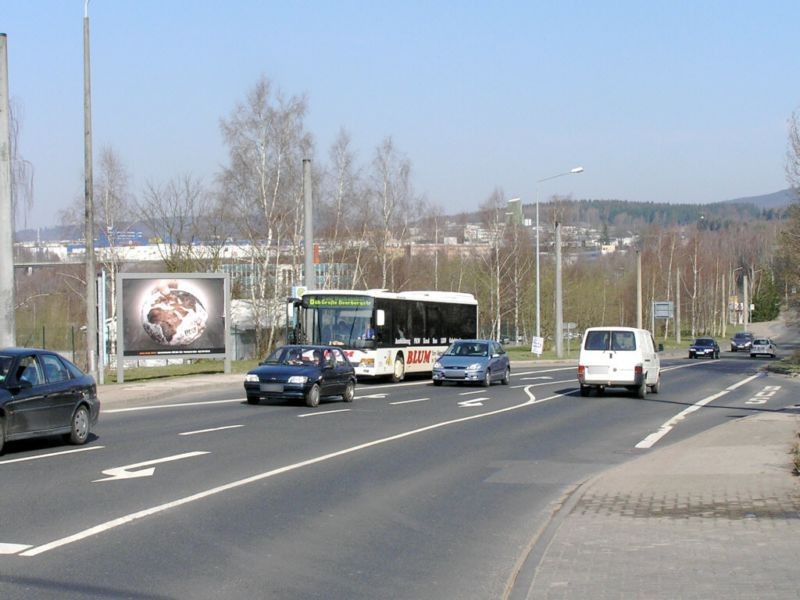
378	396
531	378
409	401
472	402
550	383
38	456
124	473
148	512
469	393
13	548
176	405
570	368
324	412
210	430
670	424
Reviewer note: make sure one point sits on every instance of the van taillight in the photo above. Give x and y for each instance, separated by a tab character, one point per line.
639	369
581	370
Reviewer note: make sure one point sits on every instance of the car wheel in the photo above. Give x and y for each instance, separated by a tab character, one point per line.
399	371
312	396
752	355
506	377
437	382
487	378
2	433
656	386
79	426
584	390
349	391
252	399
691	354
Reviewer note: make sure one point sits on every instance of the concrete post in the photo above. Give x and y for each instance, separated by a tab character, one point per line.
8	324
91	284
559	300
310	279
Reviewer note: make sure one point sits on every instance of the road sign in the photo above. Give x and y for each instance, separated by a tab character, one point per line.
537	345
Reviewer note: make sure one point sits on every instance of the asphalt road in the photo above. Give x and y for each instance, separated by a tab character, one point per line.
412	491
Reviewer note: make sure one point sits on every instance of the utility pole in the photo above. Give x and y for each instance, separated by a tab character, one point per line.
746	304
559	299
678	306
638	289
8	326
309	227
91	283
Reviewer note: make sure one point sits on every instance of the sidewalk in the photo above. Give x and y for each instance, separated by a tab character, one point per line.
714	516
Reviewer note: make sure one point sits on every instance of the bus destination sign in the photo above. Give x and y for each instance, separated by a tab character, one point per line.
339	302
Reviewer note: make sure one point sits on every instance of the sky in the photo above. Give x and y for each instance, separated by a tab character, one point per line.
685	101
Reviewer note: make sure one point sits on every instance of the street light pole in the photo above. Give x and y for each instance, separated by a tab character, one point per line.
574	171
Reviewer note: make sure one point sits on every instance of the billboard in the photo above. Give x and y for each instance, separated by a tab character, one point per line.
172	315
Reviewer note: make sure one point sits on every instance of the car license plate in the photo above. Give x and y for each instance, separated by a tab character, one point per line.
271	387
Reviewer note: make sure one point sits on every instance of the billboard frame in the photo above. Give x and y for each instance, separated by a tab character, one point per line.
155	278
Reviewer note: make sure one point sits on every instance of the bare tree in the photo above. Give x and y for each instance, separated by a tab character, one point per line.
793	153
391	197
173	212
21	173
262	183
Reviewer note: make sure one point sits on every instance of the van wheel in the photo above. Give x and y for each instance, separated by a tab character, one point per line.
399	371
656	386
585	390
601	390
641	391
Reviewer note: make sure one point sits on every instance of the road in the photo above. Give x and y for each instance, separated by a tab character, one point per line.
412	491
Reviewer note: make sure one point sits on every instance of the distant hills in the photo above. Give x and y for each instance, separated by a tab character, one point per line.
591	212
774	200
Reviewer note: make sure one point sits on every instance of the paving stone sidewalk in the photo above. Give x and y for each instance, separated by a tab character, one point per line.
714	516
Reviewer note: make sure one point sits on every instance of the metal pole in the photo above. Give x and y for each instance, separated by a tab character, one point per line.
310	278
538	294
677	306
559	299
91	291
638	289
8	326
746	305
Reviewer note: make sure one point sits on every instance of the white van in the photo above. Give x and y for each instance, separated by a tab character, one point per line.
618	357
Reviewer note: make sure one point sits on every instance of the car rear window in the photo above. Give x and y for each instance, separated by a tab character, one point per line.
624	341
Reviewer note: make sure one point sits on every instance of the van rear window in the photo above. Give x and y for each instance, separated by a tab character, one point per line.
610	340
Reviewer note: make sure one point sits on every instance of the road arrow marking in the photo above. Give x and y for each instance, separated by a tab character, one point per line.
124	473
471	403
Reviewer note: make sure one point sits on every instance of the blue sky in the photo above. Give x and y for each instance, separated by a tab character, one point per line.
679	101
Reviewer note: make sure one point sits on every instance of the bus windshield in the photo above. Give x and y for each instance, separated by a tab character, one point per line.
340	321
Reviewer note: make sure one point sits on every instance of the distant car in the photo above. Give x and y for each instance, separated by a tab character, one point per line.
472	361
704	346
43	394
302	372
741	341
763	346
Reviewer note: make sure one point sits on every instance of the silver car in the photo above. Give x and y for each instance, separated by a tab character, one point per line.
763	346
475	361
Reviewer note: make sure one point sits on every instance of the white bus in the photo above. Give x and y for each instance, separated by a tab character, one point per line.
384	333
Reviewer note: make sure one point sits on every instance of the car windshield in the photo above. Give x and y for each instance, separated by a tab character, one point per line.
704	342
468	349
5	365
761	342
295	356
742	336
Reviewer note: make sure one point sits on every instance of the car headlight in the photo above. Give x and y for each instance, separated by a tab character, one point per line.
437	365
297	379
251	378
475	367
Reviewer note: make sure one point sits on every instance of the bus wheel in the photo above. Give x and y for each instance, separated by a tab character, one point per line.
399	369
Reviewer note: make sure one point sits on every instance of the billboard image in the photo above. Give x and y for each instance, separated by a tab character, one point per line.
172	314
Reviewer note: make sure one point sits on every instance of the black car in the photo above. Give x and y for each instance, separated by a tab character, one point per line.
302	372
42	393
704	346
741	341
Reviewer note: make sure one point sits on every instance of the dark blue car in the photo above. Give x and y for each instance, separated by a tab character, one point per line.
476	361
302	372
704	346
44	394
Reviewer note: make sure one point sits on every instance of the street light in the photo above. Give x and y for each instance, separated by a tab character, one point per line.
574	171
